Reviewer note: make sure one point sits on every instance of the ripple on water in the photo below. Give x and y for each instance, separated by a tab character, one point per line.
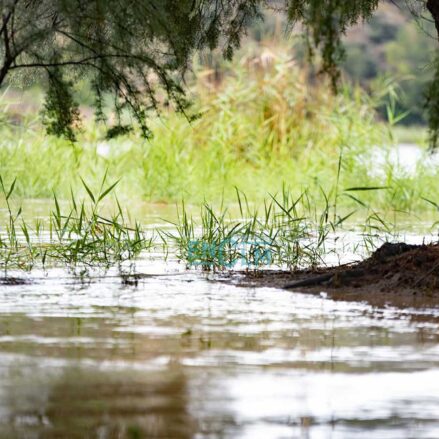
181	356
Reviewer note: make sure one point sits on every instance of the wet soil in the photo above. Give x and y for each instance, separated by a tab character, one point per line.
398	274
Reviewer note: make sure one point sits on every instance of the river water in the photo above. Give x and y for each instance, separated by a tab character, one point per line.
181	356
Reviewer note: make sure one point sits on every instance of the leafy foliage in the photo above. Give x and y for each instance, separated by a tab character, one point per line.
61	112
325	22
433	108
138	52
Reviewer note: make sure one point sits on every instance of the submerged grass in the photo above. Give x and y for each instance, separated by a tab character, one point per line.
80	238
287	232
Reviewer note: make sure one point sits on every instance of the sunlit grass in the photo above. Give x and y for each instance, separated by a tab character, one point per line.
80	238
262	126
285	231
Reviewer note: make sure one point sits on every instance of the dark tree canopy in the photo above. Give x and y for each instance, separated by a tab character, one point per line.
137	50
130	48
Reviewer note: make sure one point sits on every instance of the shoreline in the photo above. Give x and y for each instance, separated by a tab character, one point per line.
398	275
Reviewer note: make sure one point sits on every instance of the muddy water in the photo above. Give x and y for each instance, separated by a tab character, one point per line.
178	355
181	356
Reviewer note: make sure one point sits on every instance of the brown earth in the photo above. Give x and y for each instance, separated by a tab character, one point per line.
400	275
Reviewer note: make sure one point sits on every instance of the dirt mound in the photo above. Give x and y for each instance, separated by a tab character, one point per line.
396	274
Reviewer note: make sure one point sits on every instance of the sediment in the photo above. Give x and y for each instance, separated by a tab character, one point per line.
398	274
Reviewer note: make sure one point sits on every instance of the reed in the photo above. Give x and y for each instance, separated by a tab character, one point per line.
289	232
264	125
80	238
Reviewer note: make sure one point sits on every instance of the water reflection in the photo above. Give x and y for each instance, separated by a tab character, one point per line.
181	356
53	400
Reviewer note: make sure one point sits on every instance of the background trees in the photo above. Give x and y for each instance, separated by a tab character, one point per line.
138	52
129	49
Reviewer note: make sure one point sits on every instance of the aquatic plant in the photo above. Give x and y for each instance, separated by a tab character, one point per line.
80	237
289	232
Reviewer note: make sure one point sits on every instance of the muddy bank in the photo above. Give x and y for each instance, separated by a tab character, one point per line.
396	274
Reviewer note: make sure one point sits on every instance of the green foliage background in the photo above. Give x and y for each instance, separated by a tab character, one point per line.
392	44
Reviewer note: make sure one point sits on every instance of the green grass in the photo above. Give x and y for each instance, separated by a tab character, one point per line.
305	159
287	232
79	239
263	127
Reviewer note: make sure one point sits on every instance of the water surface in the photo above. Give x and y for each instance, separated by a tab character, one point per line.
182	356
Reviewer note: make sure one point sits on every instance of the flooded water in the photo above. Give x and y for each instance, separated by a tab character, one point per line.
181	356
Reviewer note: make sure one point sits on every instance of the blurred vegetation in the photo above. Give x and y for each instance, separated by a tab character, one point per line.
393	45
390	47
270	129
268	122
260	123
264	126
